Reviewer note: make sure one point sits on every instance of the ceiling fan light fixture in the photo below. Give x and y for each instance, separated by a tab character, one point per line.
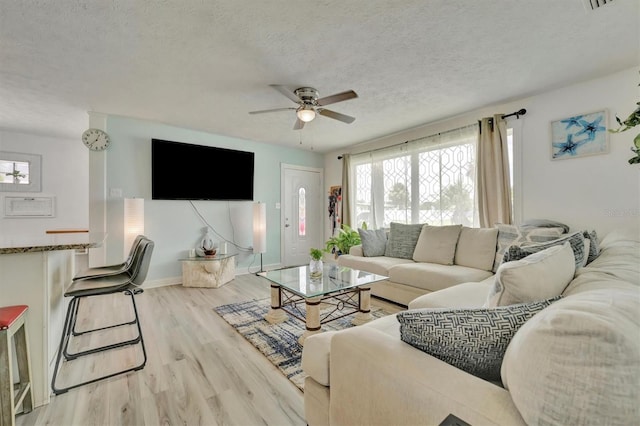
306	114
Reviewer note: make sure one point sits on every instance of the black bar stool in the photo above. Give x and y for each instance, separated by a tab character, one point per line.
127	282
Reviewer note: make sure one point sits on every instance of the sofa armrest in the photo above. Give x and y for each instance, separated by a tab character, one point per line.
378	379
356	250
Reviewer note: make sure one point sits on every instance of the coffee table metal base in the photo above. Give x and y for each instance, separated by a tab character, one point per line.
355	300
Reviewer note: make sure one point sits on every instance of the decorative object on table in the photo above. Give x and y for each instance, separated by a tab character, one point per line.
260	230
579	136
335	198
278	342
315	265
207	245
630	122
343	240
96	139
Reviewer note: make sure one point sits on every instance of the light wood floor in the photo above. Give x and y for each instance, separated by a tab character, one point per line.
199	370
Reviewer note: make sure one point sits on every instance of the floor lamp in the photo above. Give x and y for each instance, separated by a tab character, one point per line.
133	221
260	230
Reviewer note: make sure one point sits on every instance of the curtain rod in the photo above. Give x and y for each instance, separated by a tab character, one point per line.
518	113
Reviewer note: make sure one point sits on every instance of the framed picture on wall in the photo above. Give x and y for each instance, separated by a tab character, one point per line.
20	172
579	136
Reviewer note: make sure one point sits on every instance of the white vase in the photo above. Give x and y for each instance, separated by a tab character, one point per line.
315	268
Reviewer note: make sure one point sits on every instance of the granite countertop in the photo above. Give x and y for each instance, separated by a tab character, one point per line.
50	242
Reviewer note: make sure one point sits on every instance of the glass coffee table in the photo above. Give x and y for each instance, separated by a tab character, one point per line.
343	290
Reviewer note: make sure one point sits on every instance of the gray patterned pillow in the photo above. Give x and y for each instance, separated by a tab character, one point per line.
577	245
473	340
594	246
374	242
402	240
509	235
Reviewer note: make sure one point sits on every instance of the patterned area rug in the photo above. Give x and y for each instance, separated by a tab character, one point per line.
277	342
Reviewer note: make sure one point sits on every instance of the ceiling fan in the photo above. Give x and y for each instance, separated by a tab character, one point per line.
309	105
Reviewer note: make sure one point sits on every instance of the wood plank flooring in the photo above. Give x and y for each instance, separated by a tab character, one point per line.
200	371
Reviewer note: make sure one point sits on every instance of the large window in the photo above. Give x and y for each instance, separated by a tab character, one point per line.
431	180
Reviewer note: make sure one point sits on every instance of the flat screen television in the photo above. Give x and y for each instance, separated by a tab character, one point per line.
182	171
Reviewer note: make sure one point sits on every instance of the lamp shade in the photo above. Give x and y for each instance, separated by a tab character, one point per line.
259	227
133	221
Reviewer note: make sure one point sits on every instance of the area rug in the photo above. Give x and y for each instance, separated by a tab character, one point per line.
277	342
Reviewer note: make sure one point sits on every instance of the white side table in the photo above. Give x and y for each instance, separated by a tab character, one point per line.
208	271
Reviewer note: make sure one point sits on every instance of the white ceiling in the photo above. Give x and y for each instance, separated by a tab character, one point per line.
204	64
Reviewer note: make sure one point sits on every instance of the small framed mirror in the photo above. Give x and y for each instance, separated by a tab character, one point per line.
20	172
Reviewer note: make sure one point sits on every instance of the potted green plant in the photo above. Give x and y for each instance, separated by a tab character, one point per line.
346	238
632	121
315	265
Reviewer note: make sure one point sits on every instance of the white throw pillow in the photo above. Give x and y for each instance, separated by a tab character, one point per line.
437	244
576	362
539	276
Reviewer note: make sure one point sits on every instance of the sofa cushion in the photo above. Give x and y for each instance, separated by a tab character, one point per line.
315	356
433	276
542	275
402	240
437	244
376	265
509	235
580	250
477	248
577	362
374	241
465	295
473	340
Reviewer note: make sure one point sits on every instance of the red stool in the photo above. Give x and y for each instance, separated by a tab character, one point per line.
12	323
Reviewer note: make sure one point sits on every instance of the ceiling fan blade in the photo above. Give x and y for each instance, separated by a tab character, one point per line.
336	115
338	97
271	110
298	125
288	93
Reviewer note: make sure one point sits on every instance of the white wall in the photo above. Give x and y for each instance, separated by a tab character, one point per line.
65	172
600	192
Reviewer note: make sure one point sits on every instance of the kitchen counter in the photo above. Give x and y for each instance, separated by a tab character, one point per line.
35	270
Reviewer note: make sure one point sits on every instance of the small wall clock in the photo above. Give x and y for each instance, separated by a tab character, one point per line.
96	139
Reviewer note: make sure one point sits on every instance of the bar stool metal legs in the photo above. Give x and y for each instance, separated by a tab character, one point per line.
12	324
68	331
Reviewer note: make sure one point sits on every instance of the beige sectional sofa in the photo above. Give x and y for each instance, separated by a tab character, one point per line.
577	361
437	257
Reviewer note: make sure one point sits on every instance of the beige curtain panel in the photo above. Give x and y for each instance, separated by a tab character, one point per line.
345	214
493	183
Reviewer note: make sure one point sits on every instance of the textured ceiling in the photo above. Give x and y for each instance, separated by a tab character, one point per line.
205	64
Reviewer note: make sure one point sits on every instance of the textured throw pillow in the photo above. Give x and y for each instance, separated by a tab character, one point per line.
437	244
402	240
374	242
594	245
476	248
473	340
577	245
542	275
509	235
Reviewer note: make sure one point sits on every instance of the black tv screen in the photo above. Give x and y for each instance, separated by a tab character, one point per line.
182	171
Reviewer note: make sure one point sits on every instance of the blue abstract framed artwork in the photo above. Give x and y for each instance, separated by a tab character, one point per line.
579	136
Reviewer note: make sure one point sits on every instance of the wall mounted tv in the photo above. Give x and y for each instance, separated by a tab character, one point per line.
182	171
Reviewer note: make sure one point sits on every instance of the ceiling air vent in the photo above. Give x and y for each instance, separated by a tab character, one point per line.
594	4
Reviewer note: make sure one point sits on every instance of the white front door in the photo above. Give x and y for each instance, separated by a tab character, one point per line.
302	208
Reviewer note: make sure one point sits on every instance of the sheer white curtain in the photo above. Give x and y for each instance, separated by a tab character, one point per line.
428	180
